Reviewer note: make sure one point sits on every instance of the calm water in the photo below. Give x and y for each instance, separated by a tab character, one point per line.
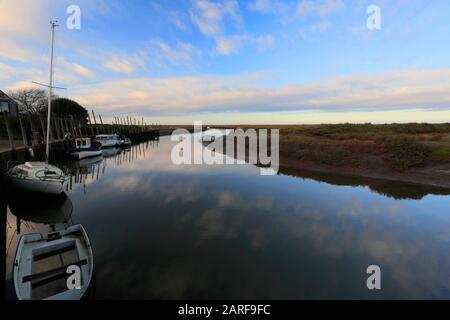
187	232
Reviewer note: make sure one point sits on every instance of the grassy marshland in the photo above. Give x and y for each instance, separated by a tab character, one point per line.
394	151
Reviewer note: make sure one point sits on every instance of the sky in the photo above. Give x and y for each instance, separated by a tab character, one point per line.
237	62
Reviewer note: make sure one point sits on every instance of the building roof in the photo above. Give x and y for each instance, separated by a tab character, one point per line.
4	96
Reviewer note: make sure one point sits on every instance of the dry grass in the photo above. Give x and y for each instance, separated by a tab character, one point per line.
398	146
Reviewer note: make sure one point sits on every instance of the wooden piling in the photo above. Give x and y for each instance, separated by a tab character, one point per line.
90	125
93	115
56	127
74	128
69	127
24	133
33	130
44	130
95	121
9	132
62	127
78	125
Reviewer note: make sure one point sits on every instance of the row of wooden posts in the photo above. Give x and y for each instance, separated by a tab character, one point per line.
73	126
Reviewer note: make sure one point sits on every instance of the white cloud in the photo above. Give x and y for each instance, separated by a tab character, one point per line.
228	45
233	44
16	51
427	89
6	71
66	74
321	26
322	8
180	54
65	66
268	6
178	20
265	42
211	17
85	72
22	24
9	73
22	18
123	63
120	65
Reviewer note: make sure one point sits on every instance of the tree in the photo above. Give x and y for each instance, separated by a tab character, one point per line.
31	101
64	107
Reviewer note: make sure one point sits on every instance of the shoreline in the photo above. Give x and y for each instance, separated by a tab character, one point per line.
436	176
413	153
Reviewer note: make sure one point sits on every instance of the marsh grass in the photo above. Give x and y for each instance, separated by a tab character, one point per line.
398	146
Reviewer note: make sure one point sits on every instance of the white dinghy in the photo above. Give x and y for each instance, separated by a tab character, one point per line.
42	260
38	177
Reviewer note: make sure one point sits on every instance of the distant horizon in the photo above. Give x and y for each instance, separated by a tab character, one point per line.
382	117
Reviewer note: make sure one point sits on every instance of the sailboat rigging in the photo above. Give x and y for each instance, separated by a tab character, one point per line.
41	176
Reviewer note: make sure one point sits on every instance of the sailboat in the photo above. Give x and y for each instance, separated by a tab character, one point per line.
41	176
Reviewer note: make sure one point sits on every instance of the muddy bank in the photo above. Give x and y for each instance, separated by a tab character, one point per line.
411	183
414	153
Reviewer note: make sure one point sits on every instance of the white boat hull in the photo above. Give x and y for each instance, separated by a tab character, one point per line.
86	154
109	144
35	185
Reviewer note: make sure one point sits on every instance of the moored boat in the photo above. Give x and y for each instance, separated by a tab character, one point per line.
42	262
108	140
38	177
41	176
85	148
126	142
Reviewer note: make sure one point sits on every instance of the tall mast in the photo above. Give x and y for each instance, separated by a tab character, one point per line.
50	87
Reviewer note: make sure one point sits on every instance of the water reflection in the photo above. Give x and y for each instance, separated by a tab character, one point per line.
395	189
166	231
37	209
87	171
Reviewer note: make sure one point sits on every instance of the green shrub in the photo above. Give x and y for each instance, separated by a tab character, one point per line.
404	153
441	153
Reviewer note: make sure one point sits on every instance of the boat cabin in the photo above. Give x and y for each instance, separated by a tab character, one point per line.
109	140
107	137
83	143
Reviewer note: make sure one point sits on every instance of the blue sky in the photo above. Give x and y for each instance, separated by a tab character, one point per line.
229	61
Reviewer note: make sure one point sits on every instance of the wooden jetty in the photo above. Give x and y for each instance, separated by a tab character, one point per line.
18	134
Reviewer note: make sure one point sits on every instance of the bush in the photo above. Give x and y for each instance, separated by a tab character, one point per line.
404	153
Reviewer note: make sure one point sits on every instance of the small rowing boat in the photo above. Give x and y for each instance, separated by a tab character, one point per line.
43	262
